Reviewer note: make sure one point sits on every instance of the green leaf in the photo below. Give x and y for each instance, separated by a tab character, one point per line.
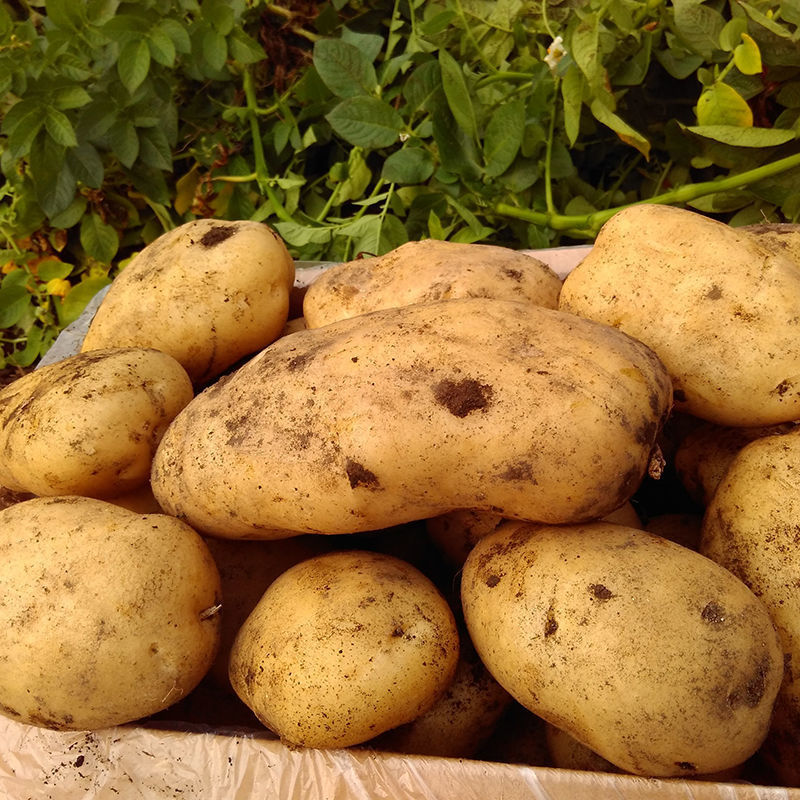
53	181
423	90
98	239
344	68
176	32
721	104
679	66
369	44
86	165
124	142
743	137
79	296
789	94
243	48
722	202
219	15
584	48
60	128
51	269
699	26
31	351
14	302
766	22
215	49
64	14
625	132
71	215
162	48
408	166
503	137
572	85
456	149
154	149
747	56
458	96
71	97
298	235
23	126
731	34
133	64
366	122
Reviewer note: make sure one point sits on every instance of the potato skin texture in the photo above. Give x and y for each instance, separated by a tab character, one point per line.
407	413
208	293
427	271
721	310
343	647
90	424
106	616
750	528
651	655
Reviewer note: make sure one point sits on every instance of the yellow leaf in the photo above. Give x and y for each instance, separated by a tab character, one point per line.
721	104
747	56
185	189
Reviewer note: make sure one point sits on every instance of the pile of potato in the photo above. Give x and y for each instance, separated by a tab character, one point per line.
458	507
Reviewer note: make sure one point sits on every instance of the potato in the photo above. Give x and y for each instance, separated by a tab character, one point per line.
705	453
651	655
566	752
207	292
751	528
520	737
460	722
407	413
719	309
90	424
343	647
106	616
681	528
779	237
425	271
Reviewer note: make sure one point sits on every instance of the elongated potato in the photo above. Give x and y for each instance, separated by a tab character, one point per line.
721	310
90	424
407	413
208	293
106	616
751	528
419	272
654	657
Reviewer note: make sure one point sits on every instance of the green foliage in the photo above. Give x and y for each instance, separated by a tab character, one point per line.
521	122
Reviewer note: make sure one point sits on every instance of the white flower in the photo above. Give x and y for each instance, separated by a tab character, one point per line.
555	52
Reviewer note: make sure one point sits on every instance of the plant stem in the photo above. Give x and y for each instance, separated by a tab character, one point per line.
548	156
583	224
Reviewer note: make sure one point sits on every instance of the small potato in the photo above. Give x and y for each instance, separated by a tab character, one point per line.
654	657
90	424
407	413
343	647
208	293
106	616
721	310
751	528
566	752
426	271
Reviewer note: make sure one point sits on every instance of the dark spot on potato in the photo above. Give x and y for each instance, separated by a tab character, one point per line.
217	234
751	693
686	765
550	623
713	613
782	387
514	274
79	761
492	580
359	475
600	592
8	711
397	632
714	293
520	471
462	397
679	395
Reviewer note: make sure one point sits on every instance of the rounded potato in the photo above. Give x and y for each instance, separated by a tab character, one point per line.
426	271
651	655
407	413
751	527
343	647
106	616
90	424
721	310
207	292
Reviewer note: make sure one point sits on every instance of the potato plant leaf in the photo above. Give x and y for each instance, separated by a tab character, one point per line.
366	122
133	64
458	95
744	137
503	137
721	104
344	69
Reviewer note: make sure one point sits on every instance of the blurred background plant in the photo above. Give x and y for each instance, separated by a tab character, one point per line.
352	126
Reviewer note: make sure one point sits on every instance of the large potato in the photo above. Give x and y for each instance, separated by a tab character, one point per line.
343	647
208	293
751	528
407	413
721	310
426	271
651	655
106	616
89	424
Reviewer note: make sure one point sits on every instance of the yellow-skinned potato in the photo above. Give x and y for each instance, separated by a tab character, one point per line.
407	413
720	310
651	655
750	527
426	271
208	292
106	616
90	424
343	647
780	237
